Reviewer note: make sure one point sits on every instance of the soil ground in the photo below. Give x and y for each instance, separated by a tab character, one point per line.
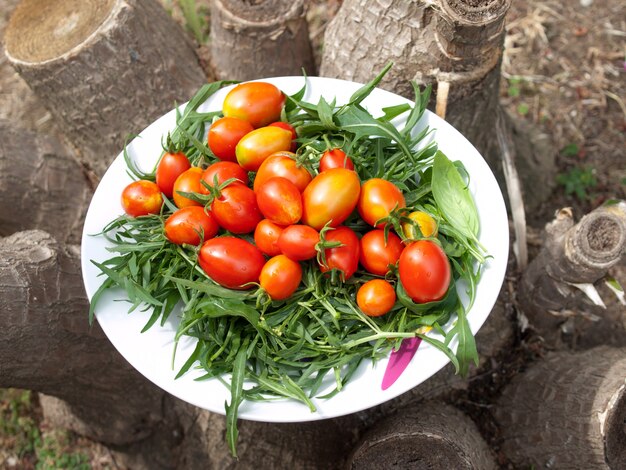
564	72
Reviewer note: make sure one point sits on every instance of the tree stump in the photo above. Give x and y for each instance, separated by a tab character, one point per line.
104	69
57	190
567	411
575	254
425	436
260	38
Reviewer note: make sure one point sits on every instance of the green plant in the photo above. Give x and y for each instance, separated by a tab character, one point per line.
53	453
20	435
514	87
578	181
194	19
570	150
523	109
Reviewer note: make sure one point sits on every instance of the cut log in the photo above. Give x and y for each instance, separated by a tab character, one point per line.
262	38
567	411
457	42
49	347
575	254
454	45
58	191
104	69
425	436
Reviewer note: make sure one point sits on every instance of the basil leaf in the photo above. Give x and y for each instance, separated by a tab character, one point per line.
453	197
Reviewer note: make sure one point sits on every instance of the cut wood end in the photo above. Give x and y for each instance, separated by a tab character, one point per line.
476	12
42	30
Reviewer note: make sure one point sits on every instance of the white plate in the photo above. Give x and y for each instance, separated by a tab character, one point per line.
151	352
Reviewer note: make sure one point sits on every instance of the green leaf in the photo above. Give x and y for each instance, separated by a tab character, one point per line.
236	398
430	312
363	92
392	112
193	357
421	102
453	197
325	113
466	351
362	124
443	348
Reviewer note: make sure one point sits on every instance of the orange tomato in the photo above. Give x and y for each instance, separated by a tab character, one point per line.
330	197
188	182
280	201
259	103
283	164
225	134
256	146
187	224
280	277
142	198
376	255
376	297
378	198
266	235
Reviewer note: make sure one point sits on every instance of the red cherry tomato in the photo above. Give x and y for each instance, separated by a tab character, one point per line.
424	271
223	171
376	255
236	209
282	164
298	242
188	182
378	198
280	201
171	166
259	103
335	158
259	144
287	127
345	258
186	224
266	235
331	196
376	297
225	134
142	198
280	277
231	262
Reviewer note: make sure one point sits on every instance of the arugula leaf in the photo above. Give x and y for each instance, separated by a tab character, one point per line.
466	351
362	124
236	398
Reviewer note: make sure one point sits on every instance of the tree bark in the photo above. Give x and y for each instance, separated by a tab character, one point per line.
58	191
568	411
579	253
429	435
260	38
80	57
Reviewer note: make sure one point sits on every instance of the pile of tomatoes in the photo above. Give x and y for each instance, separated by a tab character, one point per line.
262	210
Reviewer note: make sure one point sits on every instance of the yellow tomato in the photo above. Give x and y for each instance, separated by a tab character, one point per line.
424	221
